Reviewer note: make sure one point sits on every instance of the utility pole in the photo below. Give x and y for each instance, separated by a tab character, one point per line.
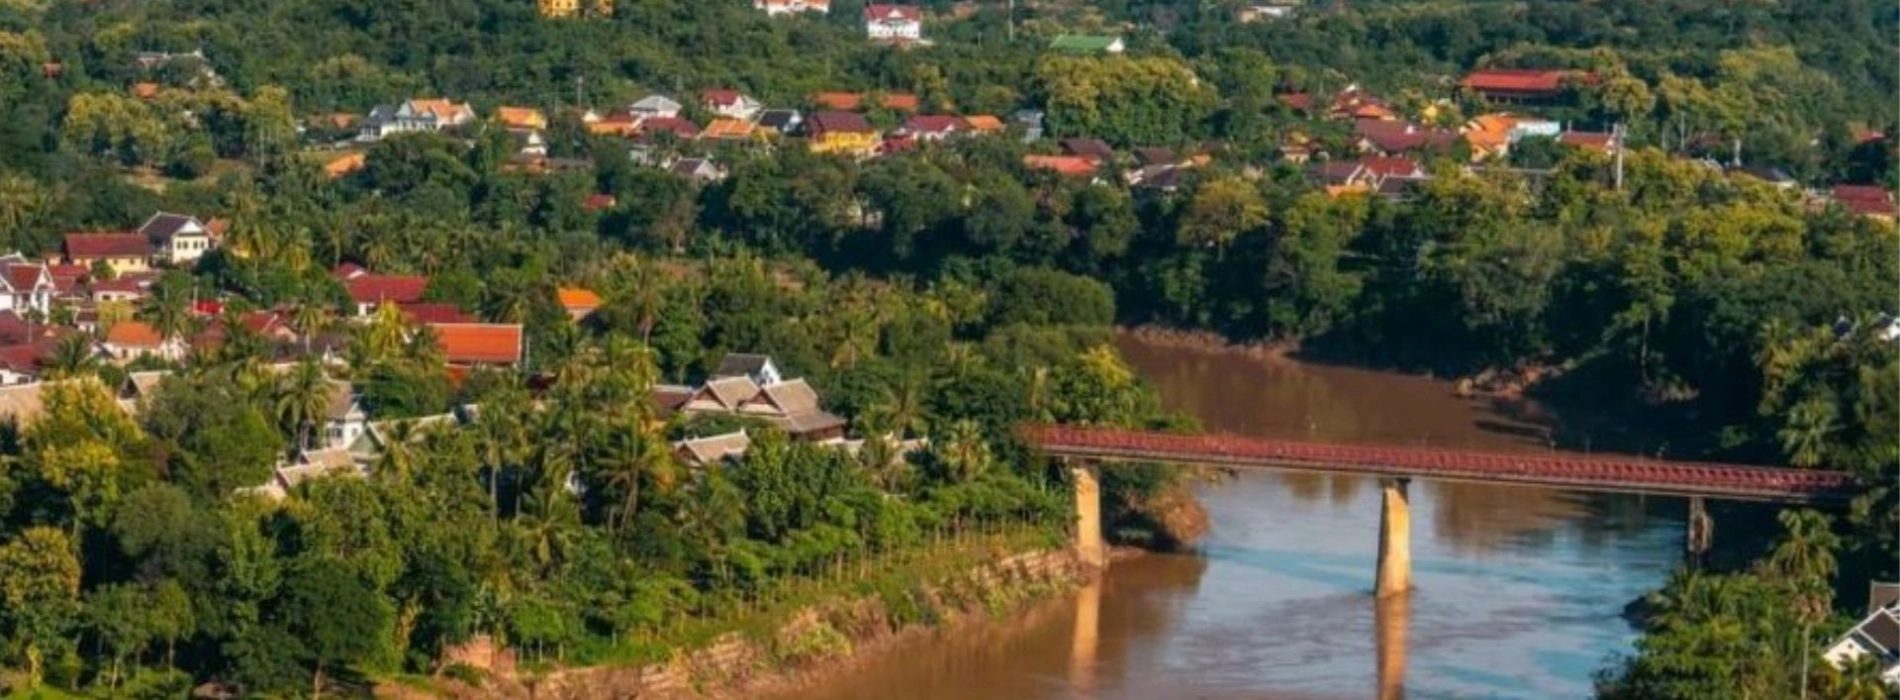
580	90
1616	134
1011	21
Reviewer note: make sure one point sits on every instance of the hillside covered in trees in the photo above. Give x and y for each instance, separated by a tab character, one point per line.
949	289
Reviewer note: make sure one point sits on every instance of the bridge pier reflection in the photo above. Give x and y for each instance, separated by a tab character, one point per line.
1392	615
1085	638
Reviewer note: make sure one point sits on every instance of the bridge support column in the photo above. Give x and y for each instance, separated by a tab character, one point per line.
1090	547
1395	539
1700	532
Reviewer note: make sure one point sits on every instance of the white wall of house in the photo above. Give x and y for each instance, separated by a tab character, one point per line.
893	28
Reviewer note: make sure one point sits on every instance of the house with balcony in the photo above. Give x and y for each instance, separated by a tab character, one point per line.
413	116
894	23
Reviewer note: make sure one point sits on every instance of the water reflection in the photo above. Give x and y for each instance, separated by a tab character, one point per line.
1392	614
1517	593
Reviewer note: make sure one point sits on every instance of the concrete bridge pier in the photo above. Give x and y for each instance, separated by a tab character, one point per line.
1090	547
1700	532
1395	538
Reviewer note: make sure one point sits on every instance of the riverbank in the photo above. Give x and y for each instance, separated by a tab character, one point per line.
785	647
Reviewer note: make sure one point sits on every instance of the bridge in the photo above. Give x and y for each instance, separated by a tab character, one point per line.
1086	448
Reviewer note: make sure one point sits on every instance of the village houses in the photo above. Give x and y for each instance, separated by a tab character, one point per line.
894	23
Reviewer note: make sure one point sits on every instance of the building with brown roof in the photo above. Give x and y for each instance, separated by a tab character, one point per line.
126	341
1866	200
369	291
1518	86
122	252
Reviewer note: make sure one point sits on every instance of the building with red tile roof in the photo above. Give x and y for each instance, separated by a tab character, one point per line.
1598	141
1519	85
371	290
840	101
579	302
1866	200
427	314
479	343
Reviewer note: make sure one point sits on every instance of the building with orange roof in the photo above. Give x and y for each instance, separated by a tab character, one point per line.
521	118
838	101
619	122
345	164
730	130
579	302
479	344
901	102
984	123
1489	135
1066	166
126	341
775	8
145	91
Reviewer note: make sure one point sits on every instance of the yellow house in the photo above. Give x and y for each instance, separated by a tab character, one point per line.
521	118
841	132
570	8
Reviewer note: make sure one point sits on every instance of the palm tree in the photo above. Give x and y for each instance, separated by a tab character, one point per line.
303	399
962	453
169	306
1807	435
637	455
72	356
901	411
645	294
308	319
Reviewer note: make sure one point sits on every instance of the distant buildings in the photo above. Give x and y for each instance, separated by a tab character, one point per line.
894	23
412	116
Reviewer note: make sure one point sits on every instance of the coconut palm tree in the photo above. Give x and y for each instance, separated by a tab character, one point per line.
73	356
303	400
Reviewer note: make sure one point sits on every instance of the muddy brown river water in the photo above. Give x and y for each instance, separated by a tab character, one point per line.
1518	592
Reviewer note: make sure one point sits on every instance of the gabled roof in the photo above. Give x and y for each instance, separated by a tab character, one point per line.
164	225
934	124
107	245
983	122
724	393
656	104
1087	147
700	452
893	13
780	119
1393	136
1528	81
839	122
741	364
479	343
577	298
342	400
134	334
26	276
791	397
724	97
377	289
143	384
678	126
1392	166
1296	101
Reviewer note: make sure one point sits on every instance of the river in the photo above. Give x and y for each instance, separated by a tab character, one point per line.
1518	592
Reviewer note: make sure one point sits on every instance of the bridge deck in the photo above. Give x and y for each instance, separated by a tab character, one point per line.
1583	472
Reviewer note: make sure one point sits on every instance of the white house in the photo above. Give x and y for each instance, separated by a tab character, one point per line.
345	421
894	22
656	107
731	103
774	8
759	368
414	115
176	239
25	285
1878	635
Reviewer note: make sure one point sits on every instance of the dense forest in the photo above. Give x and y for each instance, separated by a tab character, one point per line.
948	291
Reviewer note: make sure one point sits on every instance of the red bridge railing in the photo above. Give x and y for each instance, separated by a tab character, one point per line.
1627	474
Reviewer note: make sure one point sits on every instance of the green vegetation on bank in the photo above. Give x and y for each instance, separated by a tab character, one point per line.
948	291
